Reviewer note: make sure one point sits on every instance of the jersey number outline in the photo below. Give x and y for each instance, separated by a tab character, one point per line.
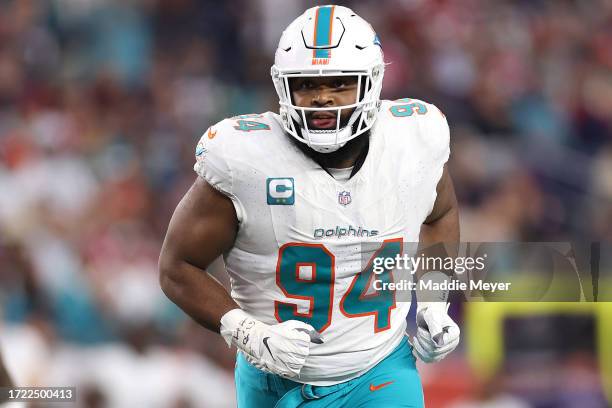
318	289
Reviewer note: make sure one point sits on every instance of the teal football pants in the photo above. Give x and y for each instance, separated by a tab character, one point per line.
394	382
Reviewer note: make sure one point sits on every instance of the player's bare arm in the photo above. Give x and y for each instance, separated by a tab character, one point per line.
437	334
202	228
442	224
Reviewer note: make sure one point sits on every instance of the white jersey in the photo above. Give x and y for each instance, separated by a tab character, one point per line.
298	253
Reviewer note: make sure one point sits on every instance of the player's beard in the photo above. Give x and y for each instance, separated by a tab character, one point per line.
353	149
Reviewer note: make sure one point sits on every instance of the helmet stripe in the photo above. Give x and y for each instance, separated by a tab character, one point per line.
323	31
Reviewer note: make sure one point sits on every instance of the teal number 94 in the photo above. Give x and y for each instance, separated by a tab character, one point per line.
248	125
408	108
307	272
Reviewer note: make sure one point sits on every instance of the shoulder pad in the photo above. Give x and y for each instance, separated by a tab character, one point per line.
423	122
224	140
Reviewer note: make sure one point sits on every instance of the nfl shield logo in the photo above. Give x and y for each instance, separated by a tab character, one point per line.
344	198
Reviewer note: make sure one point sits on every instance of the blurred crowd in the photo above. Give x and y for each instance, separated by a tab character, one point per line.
102	102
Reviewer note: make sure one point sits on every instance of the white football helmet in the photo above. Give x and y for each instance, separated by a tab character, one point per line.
329	41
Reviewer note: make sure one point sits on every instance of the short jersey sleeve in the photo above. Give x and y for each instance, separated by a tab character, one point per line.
419	135
437	128
436	137
213	164
423	124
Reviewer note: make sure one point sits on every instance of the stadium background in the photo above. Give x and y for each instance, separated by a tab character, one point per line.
102	101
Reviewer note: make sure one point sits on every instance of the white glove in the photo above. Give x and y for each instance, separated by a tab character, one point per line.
279	348
437	334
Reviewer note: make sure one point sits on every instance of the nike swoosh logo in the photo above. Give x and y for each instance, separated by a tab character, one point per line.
379	386
265	342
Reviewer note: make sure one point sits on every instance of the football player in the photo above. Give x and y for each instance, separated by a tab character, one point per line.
294	202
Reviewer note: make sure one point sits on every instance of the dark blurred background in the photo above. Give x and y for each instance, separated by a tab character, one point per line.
102	102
